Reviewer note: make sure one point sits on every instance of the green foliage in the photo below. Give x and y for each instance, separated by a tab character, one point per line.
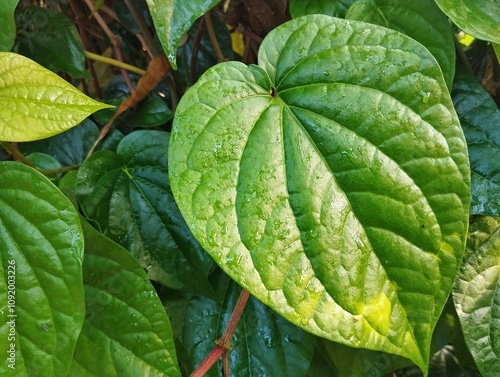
314	165
323	165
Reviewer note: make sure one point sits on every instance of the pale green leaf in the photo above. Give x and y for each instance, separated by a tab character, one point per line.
479	18
421	20
331	181
37	103
477	294
41	245
8	29
173	19
126	330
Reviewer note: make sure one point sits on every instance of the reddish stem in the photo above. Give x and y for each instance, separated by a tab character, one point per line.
223	344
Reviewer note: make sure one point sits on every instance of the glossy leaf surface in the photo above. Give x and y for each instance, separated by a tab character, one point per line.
480	117
126	330
8	29
264	344
331	181
479	18
36	102
173	19
421	20
50	39
41	244
336	8
128	194
477	294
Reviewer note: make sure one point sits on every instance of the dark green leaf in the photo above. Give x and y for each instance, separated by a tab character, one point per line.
477	294
8	29
70	147
45	162
479	18
331	181
480	119
50	39
128	194
152	112
337	8
264	344
173	19
421	20
126	331
41	245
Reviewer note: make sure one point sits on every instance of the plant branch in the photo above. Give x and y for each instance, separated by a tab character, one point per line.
223	345
16	153
145	36
114	62
64	169
213	38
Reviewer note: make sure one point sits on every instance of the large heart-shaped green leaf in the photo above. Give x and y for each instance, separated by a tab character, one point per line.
173	19
477	294
41	290
128	194
480	118
263	344
331	181
36	102
479	18
126	330
422	20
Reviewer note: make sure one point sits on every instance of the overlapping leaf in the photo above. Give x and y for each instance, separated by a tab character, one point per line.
41	245
331	181
36	102
480	118
337	8
8	30
477	294
128	194
421	20
173	19
264	344
479	18
126	330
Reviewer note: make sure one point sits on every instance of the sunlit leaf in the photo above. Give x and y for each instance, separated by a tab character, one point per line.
331	181
173	19
479	18
41	246
36	102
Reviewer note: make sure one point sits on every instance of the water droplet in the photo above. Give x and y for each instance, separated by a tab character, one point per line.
286	339
326	73
426	96
304	321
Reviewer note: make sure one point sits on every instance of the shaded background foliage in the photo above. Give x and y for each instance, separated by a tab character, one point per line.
127	174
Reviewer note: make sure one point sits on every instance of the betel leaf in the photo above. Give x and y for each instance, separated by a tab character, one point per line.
8	30
128	194
331	181
477	294
479	18
41	245
50	39
173	19
264	344
420	20
337	8
480	117
36	102
126	330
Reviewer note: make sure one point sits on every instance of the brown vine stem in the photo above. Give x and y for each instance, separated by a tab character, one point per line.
213	38
224	343
16	153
